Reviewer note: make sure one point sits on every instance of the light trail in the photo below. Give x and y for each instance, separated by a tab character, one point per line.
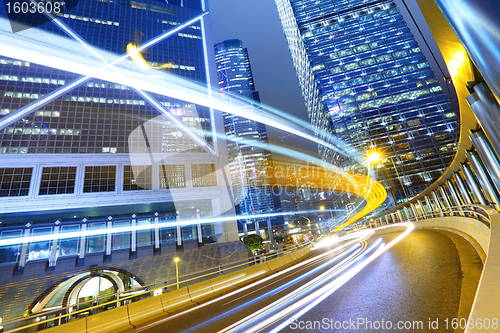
362	236
113	230
293	300
166	85
289	304
133	52
22	112
66	58
185	129
353	251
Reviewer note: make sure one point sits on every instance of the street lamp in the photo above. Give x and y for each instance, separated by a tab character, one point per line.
374	157
176	259
323	208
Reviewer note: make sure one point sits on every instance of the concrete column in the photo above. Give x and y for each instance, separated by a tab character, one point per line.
270	228
488	156
400	215
198	227
446	199
473	185
24	246
386	219
53	249
463	190
487	112
407	211
83	240
109	237
178	233
245	229
133	234
482	176
157	231
454	195
257	228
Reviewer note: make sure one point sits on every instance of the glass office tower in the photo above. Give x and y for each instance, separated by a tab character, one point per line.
101	151
248	163
366	80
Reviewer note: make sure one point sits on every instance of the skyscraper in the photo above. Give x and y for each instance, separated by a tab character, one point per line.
107	153
103	150
248	162
367	80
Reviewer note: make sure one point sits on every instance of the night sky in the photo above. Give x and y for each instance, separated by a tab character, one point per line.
257	24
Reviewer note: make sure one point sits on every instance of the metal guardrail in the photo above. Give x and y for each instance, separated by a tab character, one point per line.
471	211
133	295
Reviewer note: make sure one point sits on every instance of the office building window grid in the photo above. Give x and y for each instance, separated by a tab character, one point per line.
98	116
172	176
57	180
137	177
15	182
99	179
248	157
203	175
377	89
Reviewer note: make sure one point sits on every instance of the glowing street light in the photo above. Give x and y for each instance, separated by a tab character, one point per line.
322	208
176	259
373	157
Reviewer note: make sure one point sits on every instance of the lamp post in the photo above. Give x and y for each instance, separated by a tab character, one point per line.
176	259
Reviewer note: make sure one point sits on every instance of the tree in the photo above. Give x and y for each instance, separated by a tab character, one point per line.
253	242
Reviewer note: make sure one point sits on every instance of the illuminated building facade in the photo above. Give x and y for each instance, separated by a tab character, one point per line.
101	156
247	162
368	76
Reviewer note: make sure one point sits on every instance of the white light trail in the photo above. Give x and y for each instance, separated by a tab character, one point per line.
44	238
263	281
185	129
22	54
309	302
38	49
133	54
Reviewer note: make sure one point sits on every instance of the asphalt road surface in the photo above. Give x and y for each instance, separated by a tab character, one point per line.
415	286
